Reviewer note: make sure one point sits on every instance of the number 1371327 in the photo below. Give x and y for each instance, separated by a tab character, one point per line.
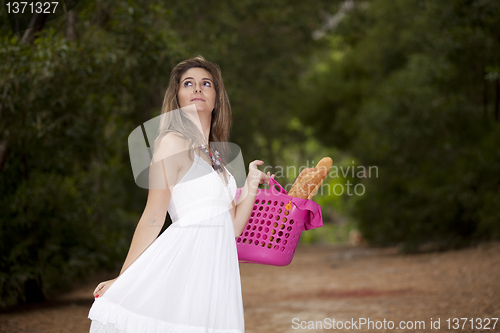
31	7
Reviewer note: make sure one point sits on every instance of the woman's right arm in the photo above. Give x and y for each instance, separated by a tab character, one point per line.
153	217
149	225
147	230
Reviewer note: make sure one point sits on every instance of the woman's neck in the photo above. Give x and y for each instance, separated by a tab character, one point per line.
205	121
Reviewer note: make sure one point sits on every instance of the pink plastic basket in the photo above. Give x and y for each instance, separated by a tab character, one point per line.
273	230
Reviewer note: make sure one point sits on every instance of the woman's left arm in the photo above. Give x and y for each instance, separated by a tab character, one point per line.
240	212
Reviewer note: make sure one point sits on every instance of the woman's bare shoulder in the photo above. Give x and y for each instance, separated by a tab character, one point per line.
176	138
173	144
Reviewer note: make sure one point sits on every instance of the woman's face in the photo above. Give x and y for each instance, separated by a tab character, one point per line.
197	87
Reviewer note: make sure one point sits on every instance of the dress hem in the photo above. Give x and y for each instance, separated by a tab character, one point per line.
107	313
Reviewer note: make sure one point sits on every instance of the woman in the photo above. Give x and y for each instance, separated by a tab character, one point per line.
186	280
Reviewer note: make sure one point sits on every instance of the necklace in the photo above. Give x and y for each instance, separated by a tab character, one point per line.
215	158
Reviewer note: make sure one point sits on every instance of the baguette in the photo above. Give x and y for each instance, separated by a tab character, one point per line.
315	190
299	178
310	180
301	188
325	163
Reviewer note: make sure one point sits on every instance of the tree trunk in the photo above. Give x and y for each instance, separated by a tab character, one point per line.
37	22
485	96
4	151
71	34
4	148
497	98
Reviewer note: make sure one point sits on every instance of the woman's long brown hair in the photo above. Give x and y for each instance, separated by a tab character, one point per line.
172	120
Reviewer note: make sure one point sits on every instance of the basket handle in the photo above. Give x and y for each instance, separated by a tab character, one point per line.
275	186
272	182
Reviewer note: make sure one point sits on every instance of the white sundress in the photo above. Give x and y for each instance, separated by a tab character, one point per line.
188	279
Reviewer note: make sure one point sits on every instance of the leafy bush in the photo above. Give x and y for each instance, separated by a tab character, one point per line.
411	87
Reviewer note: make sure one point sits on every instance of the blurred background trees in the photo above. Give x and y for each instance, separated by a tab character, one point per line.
411	87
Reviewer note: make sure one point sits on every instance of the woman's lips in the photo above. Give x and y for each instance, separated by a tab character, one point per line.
198	99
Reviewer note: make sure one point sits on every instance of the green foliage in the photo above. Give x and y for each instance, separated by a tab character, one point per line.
68	201
406	86
332	196
329	233
56	229
410	87
261	47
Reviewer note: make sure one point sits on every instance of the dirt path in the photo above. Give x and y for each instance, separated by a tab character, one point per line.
332	282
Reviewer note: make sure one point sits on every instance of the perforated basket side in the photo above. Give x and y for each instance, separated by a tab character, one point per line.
273	230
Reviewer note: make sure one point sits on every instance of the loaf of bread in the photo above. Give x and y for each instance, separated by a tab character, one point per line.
299	178
315	190
324	164
300	188
309	180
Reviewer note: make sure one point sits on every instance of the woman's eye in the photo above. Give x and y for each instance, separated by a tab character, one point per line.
207	84
187	83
